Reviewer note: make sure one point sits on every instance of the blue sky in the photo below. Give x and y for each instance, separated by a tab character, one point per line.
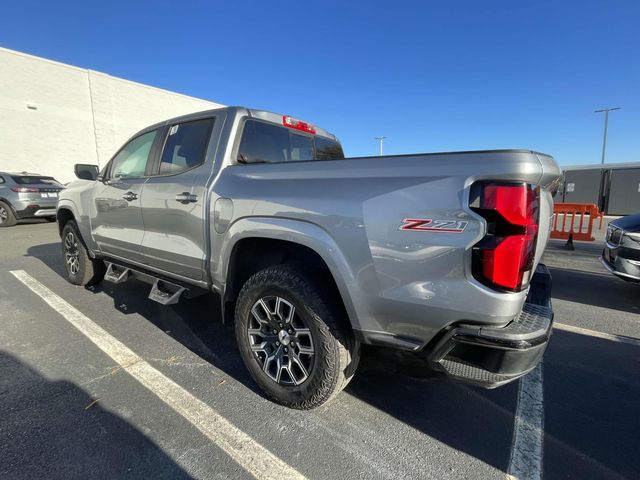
431	76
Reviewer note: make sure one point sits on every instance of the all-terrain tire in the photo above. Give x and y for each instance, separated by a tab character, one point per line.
7	217
80	268
337	353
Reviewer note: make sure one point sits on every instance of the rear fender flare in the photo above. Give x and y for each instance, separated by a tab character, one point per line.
304	233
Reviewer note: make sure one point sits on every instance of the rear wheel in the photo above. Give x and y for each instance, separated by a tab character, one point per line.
293	337
80	269
7	218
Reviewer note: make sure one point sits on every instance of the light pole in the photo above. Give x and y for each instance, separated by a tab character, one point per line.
381	140
606	123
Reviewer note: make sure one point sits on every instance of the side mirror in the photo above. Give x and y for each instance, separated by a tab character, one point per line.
85	171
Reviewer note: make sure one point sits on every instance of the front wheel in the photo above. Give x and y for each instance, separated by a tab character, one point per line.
293	337
80	268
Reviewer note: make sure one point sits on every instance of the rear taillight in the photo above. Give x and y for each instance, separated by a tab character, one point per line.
24	189
296	124
504	258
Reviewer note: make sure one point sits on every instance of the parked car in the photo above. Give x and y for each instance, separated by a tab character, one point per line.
621	253
27	195
313	254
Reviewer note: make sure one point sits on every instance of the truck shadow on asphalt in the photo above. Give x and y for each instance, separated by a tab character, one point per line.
55	429
477	422
585	404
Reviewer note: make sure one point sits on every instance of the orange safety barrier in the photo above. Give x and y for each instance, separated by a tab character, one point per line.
570	228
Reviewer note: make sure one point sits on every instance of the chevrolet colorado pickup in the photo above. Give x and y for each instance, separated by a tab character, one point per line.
313	254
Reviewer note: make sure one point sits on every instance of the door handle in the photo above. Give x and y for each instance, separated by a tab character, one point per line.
186	197
129	196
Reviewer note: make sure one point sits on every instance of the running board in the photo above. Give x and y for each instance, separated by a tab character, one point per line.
116	274
166	293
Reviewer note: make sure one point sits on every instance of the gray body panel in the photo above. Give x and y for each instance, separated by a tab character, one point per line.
116	223
398	283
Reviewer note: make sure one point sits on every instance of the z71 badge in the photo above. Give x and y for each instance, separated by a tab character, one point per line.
430	225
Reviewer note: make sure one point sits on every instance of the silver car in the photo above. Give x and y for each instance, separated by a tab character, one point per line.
27	195
621	253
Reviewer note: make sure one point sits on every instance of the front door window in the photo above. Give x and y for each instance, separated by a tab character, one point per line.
131	161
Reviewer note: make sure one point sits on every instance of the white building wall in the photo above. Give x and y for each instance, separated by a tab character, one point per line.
53	115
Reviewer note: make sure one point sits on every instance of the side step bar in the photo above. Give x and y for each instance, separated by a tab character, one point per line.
163	291
116	274
166	293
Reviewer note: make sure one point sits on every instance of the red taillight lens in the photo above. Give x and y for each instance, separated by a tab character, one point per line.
287	121
513	202
24	189
504	258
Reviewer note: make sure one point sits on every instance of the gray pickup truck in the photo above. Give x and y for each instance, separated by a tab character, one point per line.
313	254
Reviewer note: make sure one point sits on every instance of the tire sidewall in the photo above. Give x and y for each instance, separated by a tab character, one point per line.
11	218
322	375
79	278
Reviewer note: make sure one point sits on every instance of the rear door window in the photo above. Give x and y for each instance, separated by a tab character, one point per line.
185	146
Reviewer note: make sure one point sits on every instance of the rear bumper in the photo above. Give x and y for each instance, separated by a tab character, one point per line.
37	211
490	357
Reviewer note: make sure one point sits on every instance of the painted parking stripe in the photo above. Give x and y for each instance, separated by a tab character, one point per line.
595	333
526	458
245	451
525	462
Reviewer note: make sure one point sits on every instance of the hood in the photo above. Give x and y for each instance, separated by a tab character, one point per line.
630	223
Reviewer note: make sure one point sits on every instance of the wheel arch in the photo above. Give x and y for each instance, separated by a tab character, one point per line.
67	211
273	241
8	204
12	216
63	216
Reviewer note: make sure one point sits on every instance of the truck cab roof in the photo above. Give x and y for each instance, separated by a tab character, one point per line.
239	111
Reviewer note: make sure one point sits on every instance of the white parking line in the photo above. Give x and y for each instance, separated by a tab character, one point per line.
525	462
249	454
528	430
594	333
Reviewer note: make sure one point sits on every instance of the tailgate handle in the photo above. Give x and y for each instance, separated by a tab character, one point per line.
129	196
186	197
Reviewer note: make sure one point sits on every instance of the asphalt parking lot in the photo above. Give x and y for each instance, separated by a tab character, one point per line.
68	410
